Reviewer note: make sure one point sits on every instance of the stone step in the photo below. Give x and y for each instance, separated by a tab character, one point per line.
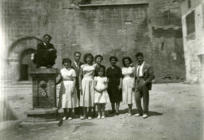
23	83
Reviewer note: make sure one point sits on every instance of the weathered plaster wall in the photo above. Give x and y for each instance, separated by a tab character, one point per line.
194	43
119	30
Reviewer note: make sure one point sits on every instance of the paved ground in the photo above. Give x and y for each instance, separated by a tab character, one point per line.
176	114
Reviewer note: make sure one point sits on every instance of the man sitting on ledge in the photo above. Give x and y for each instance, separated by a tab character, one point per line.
46	53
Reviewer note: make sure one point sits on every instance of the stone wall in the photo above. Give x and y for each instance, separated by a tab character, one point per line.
152	27
114	30
194	42
25	21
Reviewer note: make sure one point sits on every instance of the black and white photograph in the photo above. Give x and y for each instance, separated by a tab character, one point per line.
102	69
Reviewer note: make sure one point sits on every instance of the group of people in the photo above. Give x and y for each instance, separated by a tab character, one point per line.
91	86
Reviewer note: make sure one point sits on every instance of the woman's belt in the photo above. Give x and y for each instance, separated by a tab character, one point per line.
88	77
129	76
68	79
140	78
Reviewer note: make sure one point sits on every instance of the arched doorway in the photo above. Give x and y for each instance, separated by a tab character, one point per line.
19	58
26	64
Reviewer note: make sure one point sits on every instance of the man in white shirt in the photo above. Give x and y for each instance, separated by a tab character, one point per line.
144	76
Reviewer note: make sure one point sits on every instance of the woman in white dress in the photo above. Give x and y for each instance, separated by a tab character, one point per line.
101	94
128	83
68	93
86	86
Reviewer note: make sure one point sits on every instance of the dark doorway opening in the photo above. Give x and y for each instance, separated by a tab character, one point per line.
26	64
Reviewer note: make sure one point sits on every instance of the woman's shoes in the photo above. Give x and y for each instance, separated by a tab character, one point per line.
64	118
98	117
138	114
145	116
129	114
103	117
82	117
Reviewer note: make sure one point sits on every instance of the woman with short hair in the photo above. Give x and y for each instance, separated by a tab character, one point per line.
68	93
114	75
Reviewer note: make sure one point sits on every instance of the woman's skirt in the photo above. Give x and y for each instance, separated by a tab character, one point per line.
101	98
68	95
127	90
87	95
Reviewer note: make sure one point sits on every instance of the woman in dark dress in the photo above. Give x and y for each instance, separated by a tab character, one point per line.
114	75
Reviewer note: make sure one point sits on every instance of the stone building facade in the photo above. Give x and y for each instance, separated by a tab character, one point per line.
107	27
193	38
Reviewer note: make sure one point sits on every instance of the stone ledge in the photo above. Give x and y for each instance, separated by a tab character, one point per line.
115	4
44	71
42	111
42	116
28	122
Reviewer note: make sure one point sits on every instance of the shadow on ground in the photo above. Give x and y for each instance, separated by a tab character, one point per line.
134	111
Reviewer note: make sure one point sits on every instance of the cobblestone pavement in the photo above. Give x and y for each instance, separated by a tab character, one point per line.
175	114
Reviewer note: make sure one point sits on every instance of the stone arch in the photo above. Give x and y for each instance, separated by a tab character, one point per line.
20	40
16	55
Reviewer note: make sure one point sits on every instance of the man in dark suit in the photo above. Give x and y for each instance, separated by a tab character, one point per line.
46	53
144	75
76	66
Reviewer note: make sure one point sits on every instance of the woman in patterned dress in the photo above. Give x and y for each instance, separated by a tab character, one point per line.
128	83
86	86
